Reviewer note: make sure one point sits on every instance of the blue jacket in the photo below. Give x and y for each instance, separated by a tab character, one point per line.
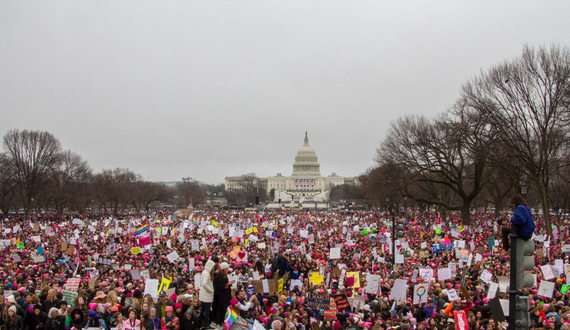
523	220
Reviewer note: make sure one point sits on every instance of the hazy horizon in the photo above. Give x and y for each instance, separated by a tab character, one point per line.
213	89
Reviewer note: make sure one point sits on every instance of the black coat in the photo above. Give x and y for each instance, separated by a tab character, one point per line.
13	325
77	323
189	324
47	305
38	321
221	298
57	323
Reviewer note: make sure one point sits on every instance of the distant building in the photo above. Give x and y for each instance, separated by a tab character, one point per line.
305	184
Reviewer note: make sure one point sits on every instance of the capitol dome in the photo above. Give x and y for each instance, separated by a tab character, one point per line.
306	161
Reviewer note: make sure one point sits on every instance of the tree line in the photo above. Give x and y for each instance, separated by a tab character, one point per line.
37	174
508	130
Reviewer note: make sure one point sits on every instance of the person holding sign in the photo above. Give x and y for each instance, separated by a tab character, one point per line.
522	219
222	292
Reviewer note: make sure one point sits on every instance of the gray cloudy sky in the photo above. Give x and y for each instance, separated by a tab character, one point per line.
215	88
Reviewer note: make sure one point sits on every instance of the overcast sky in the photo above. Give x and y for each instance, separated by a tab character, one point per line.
209	89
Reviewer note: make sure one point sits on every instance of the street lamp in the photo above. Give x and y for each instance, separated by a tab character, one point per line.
524	189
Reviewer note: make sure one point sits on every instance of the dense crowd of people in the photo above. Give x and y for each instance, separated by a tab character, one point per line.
272	269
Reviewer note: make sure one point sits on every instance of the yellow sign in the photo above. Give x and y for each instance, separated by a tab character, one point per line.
248	231
316	278
356	279
255	229
135	250
163	285
280	288
237	248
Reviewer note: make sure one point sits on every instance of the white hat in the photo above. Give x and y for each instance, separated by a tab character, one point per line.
11	299
224	265
366	308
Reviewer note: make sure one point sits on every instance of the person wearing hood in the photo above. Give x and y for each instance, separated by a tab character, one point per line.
38	318
191	319
55	320
77	319
207	291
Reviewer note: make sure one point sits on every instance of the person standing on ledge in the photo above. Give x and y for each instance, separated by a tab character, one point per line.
522	219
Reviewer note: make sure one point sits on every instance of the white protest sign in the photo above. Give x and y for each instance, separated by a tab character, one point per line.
151	287
334	253
372	283
443	274
546	289
420	293
398	289
492	290
486	276
172	257
547	272
452	295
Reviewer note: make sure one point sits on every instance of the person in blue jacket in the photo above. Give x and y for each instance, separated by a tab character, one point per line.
522	219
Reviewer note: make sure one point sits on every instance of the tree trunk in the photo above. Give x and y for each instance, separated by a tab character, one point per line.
498	208
545	210
466	213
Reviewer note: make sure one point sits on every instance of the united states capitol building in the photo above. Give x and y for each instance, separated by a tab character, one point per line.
305	184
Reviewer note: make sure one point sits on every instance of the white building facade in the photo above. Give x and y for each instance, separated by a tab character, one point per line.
305	184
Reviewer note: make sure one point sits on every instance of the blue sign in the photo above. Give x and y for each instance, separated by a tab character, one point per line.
450	246
434	247
274	234
250	291
442	246
40	250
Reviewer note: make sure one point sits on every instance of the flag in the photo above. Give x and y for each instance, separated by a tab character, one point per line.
141	229
229	318
144	241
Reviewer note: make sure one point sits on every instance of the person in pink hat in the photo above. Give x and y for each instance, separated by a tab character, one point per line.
170	321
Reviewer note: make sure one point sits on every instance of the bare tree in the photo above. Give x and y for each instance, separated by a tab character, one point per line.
65	181
144	193
113	188
9	184
34	155
445	158
192	192
528	100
